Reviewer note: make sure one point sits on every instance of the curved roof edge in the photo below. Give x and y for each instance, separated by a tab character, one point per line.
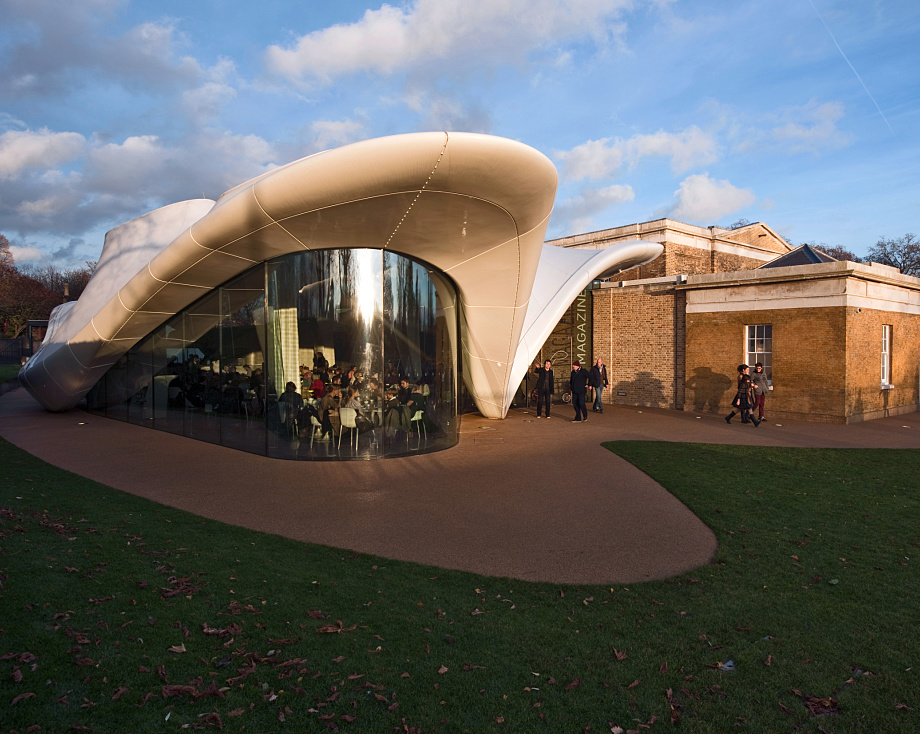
562	275
473	206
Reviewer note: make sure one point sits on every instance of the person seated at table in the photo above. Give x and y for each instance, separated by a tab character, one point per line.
352	400
372	392
212	393
329	411
397	414
318	387
404	392
293	403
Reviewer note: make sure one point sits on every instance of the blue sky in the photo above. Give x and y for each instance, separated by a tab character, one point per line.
804	114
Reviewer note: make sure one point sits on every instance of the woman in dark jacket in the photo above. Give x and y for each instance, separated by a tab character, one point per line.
744	399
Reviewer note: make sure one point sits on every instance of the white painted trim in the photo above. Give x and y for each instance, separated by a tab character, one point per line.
780	304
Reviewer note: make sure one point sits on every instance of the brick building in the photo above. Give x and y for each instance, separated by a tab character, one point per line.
839	340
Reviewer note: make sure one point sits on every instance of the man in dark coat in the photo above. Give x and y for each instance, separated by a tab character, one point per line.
578	384
546	386
599	381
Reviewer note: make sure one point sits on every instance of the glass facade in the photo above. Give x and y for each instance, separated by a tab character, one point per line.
327	354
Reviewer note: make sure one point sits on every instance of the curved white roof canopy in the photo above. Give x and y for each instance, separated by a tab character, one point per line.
472	206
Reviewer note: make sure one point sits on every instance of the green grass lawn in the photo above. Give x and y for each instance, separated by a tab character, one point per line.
8	372
117	614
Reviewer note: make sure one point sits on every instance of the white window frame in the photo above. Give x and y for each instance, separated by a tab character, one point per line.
757	335
886	356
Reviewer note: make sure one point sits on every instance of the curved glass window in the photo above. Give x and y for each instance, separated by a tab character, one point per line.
327	354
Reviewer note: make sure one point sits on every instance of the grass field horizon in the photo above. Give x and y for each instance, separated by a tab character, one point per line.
119	614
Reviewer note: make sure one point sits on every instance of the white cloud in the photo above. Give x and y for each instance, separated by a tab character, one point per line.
703	199
117	181
334	133
54	48
27	149
817	130
597	159
577	213
811	128
205	102
479	33
26	254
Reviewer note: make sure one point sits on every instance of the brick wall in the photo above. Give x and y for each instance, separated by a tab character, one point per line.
724	262
760	237
680	259
809	361
865	398
639	333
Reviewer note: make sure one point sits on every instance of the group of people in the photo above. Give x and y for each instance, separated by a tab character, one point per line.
751	395
394	411
749	398
580	380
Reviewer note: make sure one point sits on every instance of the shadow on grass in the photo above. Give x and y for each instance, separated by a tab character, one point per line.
120	614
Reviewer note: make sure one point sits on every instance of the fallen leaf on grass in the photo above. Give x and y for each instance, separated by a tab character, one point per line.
821	706
574	684
21	697
178	648
442	670
902	707
620	654
633	684
674	706
171	691
663	668
119	692
336	628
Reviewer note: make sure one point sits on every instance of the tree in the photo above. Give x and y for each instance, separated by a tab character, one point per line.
838	252
902	253
23	299
738	224
54	280
6	257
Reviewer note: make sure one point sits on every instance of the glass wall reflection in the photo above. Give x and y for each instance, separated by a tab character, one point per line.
328	354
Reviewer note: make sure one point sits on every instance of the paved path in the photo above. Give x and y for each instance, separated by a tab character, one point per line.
538	500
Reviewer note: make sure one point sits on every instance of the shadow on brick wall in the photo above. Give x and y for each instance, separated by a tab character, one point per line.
707	389
645	389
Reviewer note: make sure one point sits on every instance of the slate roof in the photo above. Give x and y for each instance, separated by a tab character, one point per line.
804	255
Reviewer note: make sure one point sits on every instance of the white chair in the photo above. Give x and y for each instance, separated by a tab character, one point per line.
348	419
314	424
418	420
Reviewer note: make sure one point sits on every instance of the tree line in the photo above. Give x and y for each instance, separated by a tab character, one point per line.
902	253
29	293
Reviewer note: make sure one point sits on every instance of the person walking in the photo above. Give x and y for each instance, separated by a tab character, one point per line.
744	399
598	382
578	385
759	381
546	386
